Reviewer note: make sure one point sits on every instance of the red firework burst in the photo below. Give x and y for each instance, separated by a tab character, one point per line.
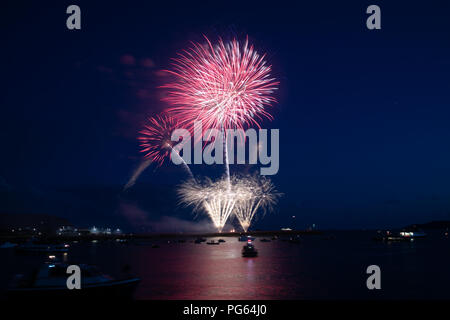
227	85
155	138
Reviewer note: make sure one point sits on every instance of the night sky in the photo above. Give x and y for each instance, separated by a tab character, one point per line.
363	115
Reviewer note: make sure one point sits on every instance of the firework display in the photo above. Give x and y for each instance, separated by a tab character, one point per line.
155	138
256	194
242	196
156	142
226	85
215	198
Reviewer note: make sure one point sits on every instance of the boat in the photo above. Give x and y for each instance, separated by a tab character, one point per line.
404	235
295	240
264	240
36	247
212	242
412	234
246	238
8	245
249	250
200	240
221	240
49	281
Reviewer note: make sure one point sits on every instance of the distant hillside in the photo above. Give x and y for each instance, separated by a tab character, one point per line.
433	225
42	222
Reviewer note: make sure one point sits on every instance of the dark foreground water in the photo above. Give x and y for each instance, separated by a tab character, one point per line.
317	268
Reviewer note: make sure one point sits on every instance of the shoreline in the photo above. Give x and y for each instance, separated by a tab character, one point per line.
272	233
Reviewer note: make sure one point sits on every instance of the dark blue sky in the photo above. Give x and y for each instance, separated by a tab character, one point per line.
363	115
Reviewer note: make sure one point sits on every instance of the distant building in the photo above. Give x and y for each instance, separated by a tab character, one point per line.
25	231
71	231
68	231
104	231
84	232
94	230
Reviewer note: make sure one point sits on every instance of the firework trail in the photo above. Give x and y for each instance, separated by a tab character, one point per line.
225	86
142	166
256	193
227	165
156	143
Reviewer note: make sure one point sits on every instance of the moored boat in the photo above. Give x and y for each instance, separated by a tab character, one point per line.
412	234
404	235
246	238
249	250
200	240
50	281
295	240
43	247
7	245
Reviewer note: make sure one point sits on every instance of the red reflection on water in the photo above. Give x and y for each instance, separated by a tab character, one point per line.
199	271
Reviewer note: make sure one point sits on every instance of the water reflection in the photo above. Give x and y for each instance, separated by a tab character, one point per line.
314	269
